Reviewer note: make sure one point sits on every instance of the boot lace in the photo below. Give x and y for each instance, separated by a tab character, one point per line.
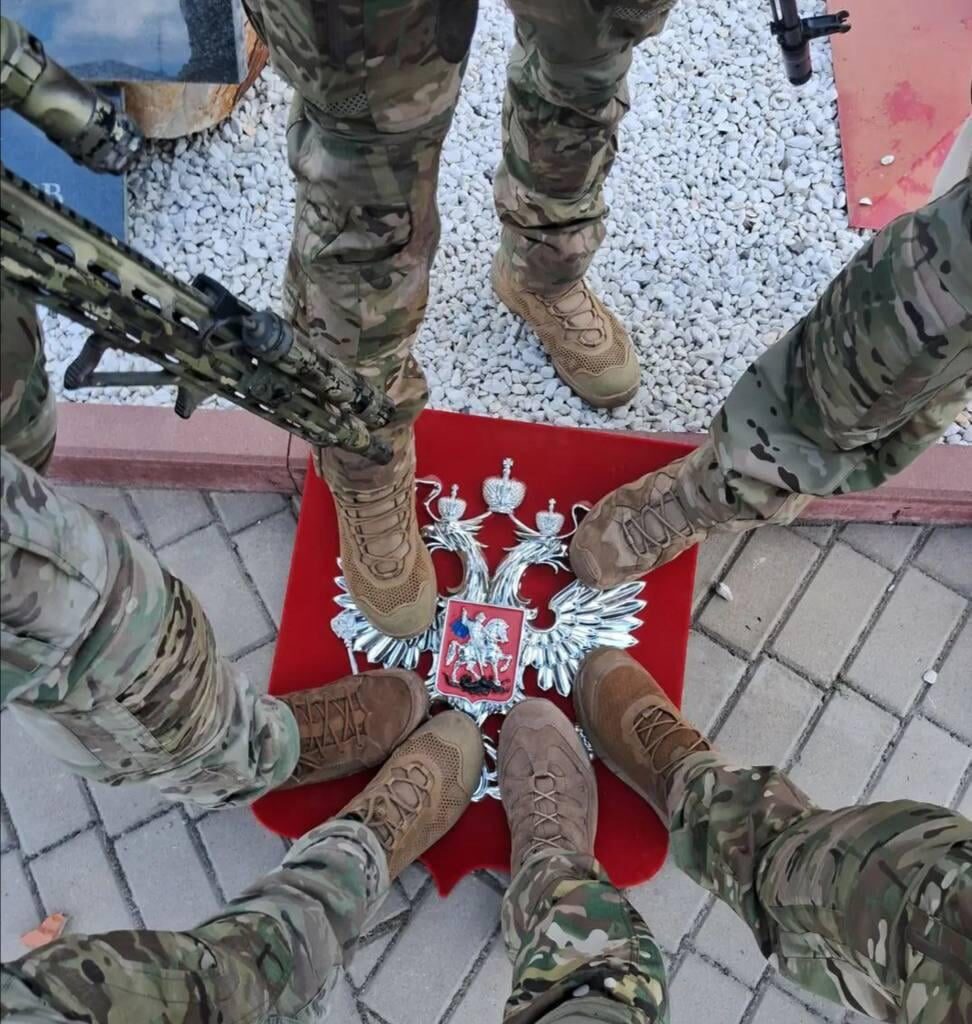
391	809
330	722
653	727
638	532
578	316
370	520
543	799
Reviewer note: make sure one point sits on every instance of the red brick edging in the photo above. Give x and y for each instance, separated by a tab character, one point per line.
141	446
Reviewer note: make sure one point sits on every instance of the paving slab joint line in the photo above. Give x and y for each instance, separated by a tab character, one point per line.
380	930
390	924
787	611
136	514
242	566
494	883
808	730
369	1015
91	826
727	971
32	886
710	593
189	533
965	786
249	648
196	840
952	637
476	967
111	854
686	943
14	843
903	722
922	542
736	695
889	591
822	552
765	983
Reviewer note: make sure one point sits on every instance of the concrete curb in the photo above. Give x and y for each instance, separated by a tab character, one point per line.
142	446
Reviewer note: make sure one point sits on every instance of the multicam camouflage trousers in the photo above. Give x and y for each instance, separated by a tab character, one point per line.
106	659
868	906
377	84
872	376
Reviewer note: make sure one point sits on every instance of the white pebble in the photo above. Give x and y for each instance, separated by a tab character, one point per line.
722	589
887	160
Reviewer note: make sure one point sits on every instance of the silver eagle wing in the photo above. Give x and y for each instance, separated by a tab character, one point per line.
583	620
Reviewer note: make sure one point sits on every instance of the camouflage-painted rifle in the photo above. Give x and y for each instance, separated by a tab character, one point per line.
206	341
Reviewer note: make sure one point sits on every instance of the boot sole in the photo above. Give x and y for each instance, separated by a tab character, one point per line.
598	402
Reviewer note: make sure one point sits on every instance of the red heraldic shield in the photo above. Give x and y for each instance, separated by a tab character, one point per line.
479	659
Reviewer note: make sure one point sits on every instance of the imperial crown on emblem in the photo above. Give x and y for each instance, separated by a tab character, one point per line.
483	637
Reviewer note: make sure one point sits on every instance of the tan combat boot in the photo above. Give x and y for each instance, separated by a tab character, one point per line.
588	345
385	562
354	723
423	788
547	783
644	524
632	725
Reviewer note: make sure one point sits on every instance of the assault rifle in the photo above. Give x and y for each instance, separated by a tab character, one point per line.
205	340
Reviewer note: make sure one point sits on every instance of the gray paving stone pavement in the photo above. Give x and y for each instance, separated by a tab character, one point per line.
947	555
169	515
814	663
762	579
77	879
949	700
821	631
239	509
906	640
844	749
885	544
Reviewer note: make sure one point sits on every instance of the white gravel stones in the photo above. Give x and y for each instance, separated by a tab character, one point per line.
727	220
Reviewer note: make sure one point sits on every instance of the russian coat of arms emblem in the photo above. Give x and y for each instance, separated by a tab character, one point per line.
484	636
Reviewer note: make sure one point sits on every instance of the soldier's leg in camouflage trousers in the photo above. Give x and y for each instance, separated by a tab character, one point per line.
111	663
377	84
566	95
868	380
580	951
869	906
273	954
27	409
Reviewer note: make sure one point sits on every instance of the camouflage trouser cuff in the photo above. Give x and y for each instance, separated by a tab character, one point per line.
597	1009
573	936
372	852
528	895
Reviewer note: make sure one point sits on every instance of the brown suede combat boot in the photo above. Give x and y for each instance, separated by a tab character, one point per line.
644	524
587	344
423	788
632	725
354	723
547	783
385	562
